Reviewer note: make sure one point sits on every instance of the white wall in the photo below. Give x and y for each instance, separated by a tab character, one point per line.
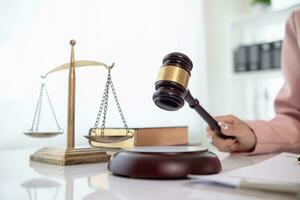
218	18
134	34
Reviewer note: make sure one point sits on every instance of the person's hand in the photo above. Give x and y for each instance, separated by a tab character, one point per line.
244	141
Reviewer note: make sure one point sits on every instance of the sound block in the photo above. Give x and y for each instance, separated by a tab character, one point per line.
164	162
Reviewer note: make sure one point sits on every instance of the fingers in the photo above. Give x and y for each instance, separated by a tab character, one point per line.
224	121
229	126
225	128
235	146
229	129
209	136
230	119
223	125
227	145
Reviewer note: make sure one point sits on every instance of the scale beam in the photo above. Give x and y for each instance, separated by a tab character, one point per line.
79	63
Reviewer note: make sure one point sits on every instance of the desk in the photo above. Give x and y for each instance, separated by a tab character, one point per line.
22	179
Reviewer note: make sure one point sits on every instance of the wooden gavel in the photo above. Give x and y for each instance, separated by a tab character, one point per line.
171	89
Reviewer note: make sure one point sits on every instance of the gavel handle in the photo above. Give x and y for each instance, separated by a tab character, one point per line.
194	103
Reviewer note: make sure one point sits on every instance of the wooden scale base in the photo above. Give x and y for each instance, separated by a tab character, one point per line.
164	162
60	156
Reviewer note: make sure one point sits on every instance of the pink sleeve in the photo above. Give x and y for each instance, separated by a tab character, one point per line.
283	132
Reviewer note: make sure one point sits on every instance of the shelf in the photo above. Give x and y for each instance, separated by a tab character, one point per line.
262	74
260	28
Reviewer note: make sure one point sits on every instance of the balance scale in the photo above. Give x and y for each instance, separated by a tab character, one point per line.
71	155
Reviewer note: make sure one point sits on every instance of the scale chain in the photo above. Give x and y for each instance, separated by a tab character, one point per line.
118	105
37	114
52	109
37	109
101	105
104	105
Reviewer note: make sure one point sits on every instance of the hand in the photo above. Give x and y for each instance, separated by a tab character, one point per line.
244	141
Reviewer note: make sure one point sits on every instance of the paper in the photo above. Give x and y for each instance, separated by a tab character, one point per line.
282	170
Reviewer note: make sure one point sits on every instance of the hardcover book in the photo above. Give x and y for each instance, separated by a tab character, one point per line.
152	136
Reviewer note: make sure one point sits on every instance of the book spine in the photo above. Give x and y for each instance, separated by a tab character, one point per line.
162	136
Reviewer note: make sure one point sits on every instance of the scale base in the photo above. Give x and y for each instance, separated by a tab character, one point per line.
63	157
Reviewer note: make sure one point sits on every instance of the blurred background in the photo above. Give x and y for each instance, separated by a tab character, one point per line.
235	46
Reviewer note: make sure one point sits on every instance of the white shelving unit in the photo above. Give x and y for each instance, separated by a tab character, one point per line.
264	27
260	28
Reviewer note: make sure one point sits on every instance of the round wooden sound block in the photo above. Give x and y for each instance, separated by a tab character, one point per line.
164	162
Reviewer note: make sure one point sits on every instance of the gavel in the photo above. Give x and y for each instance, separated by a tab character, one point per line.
171	89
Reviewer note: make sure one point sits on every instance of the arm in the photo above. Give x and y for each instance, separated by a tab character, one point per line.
283	132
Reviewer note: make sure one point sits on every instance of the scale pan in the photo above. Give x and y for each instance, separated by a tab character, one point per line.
43	134
108	139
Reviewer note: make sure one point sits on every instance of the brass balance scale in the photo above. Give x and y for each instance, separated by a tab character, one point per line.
71	155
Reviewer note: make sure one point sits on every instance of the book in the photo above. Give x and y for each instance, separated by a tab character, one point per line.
151	136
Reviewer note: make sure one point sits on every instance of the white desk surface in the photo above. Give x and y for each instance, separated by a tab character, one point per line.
21	179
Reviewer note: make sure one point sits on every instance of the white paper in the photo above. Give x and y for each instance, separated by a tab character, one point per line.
219	179
281	169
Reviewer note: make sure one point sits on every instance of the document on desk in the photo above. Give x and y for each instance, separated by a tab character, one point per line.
280	173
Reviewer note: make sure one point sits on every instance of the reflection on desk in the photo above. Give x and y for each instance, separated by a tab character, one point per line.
33	185
18	176
136	189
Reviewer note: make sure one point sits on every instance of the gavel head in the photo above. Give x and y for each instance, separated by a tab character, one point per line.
172	82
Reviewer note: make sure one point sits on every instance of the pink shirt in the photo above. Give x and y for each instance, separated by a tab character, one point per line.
283	132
